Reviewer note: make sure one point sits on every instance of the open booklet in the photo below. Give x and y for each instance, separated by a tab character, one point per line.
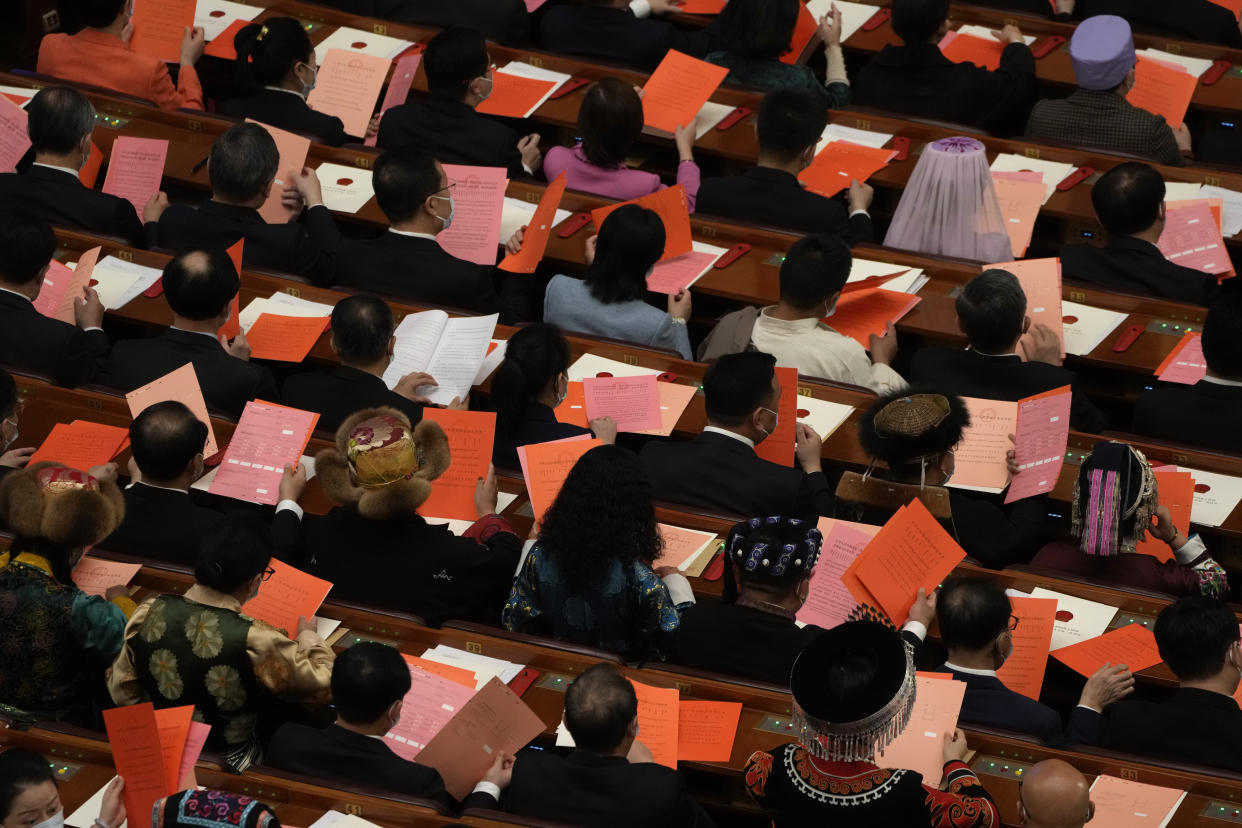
451	350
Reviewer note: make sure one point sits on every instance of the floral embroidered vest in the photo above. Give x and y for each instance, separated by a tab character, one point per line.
41	664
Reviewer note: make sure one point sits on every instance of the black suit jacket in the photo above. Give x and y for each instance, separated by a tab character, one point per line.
990	703
1204	414
288	111
307	247
34	342
505	21
454	133
228	383
764	195
1131	265
161	524
62	200
713	471
923	82
740	641
539	426
1199	20
616	35
1197	727
340	393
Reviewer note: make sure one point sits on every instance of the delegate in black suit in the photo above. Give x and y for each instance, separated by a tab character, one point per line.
765	195
1200	20
1131	265
740	641
340	393
714	471
539	426
30	341
1204	414
990	703
1197	727
62	200
616	35
454	133
307	247
161	524
228	383
287	110
504	21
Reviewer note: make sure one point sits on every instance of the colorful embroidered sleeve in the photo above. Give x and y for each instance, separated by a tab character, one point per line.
964	803
758	769
1212	579
523	608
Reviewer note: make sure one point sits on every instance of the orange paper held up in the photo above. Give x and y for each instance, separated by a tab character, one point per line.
514	96
657	721
81	444
1163	89
457	675
866	312
805	29
288	595
159	27
841	162
470	435
293	149
285	338
572	409
966	48
1124	803
139	759
1176	490
1041	282
173	724
232	326
546	465
90	170
705	730
1019	202
672	208
347	86
135	169
95	575
221	46
849	578
1132	645
63	287
535	236
1023	671
677	90
778	447
182	386
919	747
13	138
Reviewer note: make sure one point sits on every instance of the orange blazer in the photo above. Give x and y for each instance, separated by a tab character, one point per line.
101	59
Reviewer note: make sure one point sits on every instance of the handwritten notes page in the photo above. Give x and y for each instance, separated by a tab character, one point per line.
912	550
658	709
1185	364
632	402
841	162
288	595
13	138
780	446
546	465
535	237
1132	645
95	575
347	86
430	703
677	90
135	169
1191	238
1163	89
61	288
937	703
293	150
451	350
705	730
159	27
828	602
267	437
1123	803
478	201
470	435
81	444
1023	671
980	456
1042	435
345	189
1077	619
674	211
139	759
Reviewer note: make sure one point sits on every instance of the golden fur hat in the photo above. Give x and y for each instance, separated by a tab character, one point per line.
381	465
60	504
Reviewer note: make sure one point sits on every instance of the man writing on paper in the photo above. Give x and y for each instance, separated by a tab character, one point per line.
60	122
991	311
1097	114
719	469
199	287
976	626
788	129
243	166
1129	202
30	341
622	31
812	276
1201	723
459	78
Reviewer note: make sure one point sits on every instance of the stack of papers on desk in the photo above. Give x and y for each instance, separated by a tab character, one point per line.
908	282
1077	619
853	135
1216	496
358	40
282	304
485	668
1054	171
1195	66
1231	208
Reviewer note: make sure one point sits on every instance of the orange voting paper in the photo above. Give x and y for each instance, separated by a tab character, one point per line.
95	576
804	30
173	724
779	446
572	409
1019	202
1123	803
1162	88
221	45
232	326
470	435
919	747
514	96
90	170
535	236
293	149
81	444
457	675
139	758
701	6
841	162
183	387
657	721
1132	645
1041	282
677	90
288	595
159	27
674	398
680	545
199	731
546	465
13	138
1023	671
1234	6
672	208
348	85
705	730
967	48
284	338
1176	491
866	312
62	287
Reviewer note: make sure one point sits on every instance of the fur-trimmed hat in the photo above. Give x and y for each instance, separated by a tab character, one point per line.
60	504
906	426
381	465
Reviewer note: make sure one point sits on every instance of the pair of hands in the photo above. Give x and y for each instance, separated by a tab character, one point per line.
883	347
192	45
528	148
408	387
679	305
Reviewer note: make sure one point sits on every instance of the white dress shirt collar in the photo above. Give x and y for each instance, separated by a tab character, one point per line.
727	433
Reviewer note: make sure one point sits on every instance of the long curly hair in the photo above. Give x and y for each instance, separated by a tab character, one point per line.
603	513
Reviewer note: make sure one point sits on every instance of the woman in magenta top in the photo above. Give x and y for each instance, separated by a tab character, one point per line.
610	120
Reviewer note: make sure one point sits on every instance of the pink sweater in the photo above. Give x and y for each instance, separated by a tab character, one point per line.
621	183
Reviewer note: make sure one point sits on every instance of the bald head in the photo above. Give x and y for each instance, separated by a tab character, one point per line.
1055	795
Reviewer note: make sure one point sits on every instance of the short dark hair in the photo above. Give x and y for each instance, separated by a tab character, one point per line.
1222	335
366	679
918	21
362	327
534	356
8	394
610	120
98	13
816	267
758	29
264	61
1194	635
600	704
1127	198
454	57
790	120
243	162
991	308
233	551
58	118
28	243
403	178
630	242
20	768
199	284
164	438
972	612
736	384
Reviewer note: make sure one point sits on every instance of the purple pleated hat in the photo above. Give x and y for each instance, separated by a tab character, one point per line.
1102	50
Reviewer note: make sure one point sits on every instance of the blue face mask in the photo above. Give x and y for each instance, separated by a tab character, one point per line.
447	222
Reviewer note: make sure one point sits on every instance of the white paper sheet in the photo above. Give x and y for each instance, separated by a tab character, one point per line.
709	116
358	40
1088	619
121	282
909	282
985	33
590	365
517	213
1213	507
325	626
281	304
1195	66
1054	171
345	189
451	350
491	361
21	92
837	132
214	24
88	811
458	527
1181	190
824	416
853	15
483	667
1092	327
1231	208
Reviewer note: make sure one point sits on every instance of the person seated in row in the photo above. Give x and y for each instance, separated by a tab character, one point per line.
199	287
1000	362
719	469
1203	414
1198	20
1200	724
60	122
71	354
788	129
202	649
1115	501
916	79
853	693
609	780
10	425
503	21
796	331
976	624
610	299
610	120
100	55
621	31
29	797
1129	203
381	470
1061	10
58	639
1054	794
756	34
459	78
592	576
529	383
244	166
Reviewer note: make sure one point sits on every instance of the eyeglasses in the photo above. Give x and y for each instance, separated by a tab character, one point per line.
449	186
268	573
1013	622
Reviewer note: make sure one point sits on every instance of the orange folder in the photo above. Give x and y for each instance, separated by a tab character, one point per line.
514	96
804	30
705	730
657	721
779	446
159	27
535	237
866	312
1176	491
840	162
677	90
139	758
546	465
288	595
293	149
81	444
1162	88
1023	671
457	675
1132	645
90	170
285	338
470	435
232	326
672	208
967	48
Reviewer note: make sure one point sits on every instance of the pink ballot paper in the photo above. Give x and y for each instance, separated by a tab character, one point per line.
293	149
478	199
431	702
1041	282
829	603
182	386
267	437
95	575
1043	433
1123	803
62	287
632	402
398	86
1185	363
13	138
135	169
347	86
937	703
194	741
1191	238
979	459
672	276
288	595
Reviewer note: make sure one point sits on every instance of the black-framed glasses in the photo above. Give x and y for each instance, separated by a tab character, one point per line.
1013	622
449	186
268	573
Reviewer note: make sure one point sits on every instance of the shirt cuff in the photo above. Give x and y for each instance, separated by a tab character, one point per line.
92	328
678	588
1190	550
290	505
641	8
529	171
489	788
916	627
860	213
1089	707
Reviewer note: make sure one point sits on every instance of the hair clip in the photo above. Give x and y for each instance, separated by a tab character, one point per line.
262	34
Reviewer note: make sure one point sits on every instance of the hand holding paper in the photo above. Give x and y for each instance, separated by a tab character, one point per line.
677	90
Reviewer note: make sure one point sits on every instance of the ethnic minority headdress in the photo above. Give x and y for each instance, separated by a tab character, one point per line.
772	550
65	506
908	427
1114	499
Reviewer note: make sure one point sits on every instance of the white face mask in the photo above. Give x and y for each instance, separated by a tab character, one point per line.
56	820
447	222
561	394
776	422
307	87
